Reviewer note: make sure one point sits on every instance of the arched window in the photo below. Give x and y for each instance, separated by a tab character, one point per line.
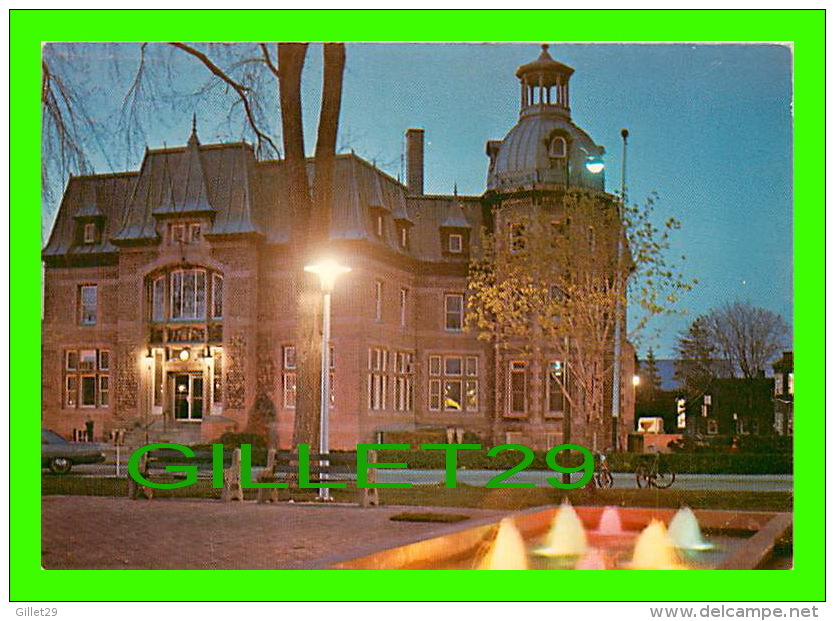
558	148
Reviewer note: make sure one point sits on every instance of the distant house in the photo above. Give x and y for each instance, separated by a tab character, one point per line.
784	394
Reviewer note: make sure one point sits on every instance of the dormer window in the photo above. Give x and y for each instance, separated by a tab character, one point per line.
90	233
558	147
404	237
185	232
379	225
456	242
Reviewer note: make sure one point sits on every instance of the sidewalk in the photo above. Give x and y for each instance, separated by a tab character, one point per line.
90	532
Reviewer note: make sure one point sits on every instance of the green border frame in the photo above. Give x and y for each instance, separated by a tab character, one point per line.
28	582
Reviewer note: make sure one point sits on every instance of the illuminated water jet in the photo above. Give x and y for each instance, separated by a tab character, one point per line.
508	550
685	532
567	536
654	549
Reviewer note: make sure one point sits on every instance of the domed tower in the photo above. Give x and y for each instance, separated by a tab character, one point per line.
544	150
549	213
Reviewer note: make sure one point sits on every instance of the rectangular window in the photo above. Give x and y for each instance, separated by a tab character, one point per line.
379	229
448	391
178	233
516	240
72	360
404	301
456	242
88	391
517	388
289	390
378	300
88	296
555	396
71	391
104	360
87	360
289	356
790	383
377	378
158	299
217	296
403	381
104	391
712	426
90	233
454	311
188	294
404	237
194	232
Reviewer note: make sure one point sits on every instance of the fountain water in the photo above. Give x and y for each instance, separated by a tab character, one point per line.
567	537
508	550
685	532
654	549
593	560
609	522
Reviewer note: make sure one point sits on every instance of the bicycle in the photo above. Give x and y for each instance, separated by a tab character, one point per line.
602	476
653	474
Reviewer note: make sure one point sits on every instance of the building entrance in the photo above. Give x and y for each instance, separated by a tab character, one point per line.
187	391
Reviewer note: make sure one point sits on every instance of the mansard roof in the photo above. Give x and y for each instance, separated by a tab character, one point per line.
241	195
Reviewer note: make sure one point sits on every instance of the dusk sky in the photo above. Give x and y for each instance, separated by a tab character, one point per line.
710	130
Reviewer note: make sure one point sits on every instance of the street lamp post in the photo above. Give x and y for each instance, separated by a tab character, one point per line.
327	270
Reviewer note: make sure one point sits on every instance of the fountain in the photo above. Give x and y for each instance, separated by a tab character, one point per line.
508	550
610	522
654	549
743	540
685	532
567	537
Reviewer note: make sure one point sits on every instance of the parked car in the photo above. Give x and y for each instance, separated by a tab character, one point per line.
59	454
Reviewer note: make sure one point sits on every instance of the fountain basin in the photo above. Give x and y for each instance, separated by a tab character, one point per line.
747	539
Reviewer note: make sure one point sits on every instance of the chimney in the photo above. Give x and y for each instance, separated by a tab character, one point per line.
414	161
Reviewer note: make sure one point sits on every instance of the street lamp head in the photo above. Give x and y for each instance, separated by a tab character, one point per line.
328	270
594	164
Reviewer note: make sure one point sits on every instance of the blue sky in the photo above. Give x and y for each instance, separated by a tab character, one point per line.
710	131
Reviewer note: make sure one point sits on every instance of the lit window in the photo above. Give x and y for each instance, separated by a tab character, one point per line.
379	229
89	304
448	390
404	237
188	294
454	311
790	382
456	242
555	378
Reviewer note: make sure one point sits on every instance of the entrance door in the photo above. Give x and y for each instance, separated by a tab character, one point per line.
188	396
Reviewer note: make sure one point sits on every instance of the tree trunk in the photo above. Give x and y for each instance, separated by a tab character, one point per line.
308	364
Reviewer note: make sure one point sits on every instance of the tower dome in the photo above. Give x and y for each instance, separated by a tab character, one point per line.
544	149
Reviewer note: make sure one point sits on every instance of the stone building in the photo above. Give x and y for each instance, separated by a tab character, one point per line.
169	303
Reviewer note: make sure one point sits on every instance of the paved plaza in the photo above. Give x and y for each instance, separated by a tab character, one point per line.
90	532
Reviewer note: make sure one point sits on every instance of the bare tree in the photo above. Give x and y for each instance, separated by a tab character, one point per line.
737	339
241	70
